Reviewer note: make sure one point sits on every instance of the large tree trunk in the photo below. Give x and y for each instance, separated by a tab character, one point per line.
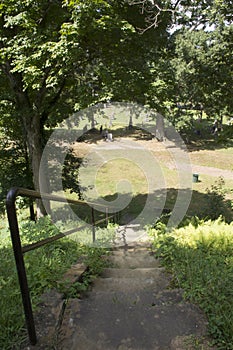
160	130
32	131
34	142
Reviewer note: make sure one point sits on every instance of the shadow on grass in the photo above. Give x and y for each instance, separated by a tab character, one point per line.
204	206
206	140
194	142
94	135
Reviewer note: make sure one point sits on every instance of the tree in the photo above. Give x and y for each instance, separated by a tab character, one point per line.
32	67
203	65
58	57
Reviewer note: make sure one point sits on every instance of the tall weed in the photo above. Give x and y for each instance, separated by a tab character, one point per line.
200	258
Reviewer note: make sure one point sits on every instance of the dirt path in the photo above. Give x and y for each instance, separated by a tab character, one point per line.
228	174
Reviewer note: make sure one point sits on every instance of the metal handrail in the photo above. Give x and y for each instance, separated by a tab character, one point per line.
19	250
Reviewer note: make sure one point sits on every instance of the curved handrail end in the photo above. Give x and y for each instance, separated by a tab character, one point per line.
11	195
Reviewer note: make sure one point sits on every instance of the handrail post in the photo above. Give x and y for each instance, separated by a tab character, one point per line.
106	212
93	224
32	213
16	242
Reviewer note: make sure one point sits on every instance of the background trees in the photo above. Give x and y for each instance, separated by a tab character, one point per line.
203	63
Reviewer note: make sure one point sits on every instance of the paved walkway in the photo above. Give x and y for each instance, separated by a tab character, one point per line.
227	174
206	170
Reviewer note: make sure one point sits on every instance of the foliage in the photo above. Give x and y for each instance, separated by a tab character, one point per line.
205	13
45	268
203	69
199	256
226	135
216	205
13	171
59	57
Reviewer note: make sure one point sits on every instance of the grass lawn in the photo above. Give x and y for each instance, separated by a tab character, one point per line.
116	172
218	158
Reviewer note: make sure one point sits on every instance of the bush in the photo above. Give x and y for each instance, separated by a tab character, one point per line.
200	259
216	204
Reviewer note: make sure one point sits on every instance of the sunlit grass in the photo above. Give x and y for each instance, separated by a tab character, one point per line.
112	173
218	158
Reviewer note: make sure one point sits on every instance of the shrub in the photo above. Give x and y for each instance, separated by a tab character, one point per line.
200	259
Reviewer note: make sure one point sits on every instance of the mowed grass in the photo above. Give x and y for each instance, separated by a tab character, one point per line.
120	174
218	158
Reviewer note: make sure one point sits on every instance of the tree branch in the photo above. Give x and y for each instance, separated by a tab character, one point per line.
53	101
153	11
42	92
16	84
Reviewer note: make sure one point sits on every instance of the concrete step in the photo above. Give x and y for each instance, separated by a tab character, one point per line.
129	307
133	260
145	272
121	322
130	284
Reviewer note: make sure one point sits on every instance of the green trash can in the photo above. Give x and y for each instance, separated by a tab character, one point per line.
195	177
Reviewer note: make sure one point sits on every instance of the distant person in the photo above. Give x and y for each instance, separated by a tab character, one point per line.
105	134
85	128
198	127
101	129
215	127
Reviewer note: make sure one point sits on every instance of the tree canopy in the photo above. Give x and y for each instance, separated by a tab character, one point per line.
58	57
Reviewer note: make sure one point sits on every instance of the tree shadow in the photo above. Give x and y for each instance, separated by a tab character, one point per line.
164	201
149	208
206	140
91	136
193	141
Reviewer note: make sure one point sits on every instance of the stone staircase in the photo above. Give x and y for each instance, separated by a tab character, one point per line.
130	306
